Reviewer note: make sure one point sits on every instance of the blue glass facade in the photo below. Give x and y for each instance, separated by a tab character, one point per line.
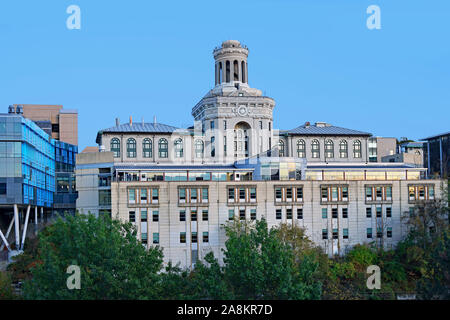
66	195
27	162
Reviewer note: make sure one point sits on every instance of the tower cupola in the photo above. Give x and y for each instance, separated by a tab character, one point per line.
231	63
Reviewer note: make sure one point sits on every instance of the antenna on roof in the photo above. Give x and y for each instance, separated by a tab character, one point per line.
143	121
154	120
131	121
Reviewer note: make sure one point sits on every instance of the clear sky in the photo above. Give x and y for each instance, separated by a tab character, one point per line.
317	59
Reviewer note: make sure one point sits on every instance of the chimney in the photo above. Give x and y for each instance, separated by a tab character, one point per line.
154	120
117	122
307	124
131	121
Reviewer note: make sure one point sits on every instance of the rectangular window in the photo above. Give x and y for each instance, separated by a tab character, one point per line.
278	214
205	237
388	193
253	214
260	125
205	215
369	212
369	233
289	194
335	233
155	216
225	124
324	234
300	194
344	213
144	238
131	195
278	194
379	193
344	193
241	194
324	213
193	195
334	194
212	125
194	237
132	216
155	196
389	232
143	195
369	193
182	215
288	213
253	193
431	192
242	214
193	215
182	195
334	213
155	238
143	215
345	233
182	237
379	213
388	212
204	194
231	194
231	214
299	213
412	193
324	192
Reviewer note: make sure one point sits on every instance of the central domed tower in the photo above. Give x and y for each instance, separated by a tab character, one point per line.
236	120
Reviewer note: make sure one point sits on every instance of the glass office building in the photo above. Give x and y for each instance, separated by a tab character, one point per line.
66	195
27	163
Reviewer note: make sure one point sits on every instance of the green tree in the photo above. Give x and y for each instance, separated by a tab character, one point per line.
113	263
260	266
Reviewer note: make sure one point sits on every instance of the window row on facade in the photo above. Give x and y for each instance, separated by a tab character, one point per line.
282	194
147	148
329	148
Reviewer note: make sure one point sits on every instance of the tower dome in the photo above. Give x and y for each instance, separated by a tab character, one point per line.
231	63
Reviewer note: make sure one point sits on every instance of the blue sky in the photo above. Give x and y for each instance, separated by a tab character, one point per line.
317	59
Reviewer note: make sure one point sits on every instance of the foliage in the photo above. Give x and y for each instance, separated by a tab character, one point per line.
6	289
113	263
259	266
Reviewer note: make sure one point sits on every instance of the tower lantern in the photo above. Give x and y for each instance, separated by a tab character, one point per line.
231	63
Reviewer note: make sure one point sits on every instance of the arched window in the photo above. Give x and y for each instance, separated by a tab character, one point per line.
301	148
357	149
115	147
199	148
343	149
220	73
315	149
163	148
235	70
243	71
147	148
329	148
178	148
227	71
131	148
281	148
